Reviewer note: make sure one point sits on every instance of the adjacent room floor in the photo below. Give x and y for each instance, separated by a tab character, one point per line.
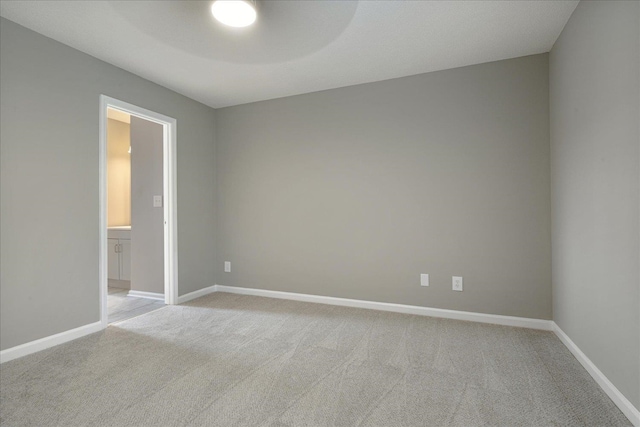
121	307
225	360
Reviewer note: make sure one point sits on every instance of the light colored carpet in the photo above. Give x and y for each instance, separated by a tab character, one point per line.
231	360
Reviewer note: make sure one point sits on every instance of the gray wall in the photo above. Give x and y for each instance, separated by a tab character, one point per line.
147	222
354	192
595	96
49	182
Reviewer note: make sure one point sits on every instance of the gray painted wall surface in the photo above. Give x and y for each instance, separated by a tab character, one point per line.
147	229
354	192
595	111
49	97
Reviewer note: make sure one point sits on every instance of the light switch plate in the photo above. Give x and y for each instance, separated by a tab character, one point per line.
157	201
424	280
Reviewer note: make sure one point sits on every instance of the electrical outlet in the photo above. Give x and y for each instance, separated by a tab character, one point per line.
227	266
424	280
456	283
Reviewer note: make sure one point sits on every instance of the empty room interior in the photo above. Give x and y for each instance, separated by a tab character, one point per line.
320	213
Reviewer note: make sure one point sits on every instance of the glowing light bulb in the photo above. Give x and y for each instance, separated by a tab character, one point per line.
234	13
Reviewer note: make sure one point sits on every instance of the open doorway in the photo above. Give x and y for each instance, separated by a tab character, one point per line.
138	233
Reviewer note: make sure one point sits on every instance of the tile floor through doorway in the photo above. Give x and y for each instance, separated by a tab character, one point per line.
120	306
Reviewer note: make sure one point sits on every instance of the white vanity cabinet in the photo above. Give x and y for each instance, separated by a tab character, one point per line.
119	242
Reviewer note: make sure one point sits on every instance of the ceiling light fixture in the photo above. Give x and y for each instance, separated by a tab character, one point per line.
234	13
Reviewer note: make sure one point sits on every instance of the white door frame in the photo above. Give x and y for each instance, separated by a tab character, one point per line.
169	197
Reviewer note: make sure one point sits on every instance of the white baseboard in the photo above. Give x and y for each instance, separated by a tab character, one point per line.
614	394
148	295
196	294
50	341
496	319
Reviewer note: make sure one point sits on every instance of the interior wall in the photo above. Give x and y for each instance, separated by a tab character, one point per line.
49	240
354	192
147	221
118	173
595	139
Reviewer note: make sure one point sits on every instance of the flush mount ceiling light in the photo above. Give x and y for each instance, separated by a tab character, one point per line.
234	13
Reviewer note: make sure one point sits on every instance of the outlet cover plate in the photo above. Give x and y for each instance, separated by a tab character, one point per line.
424	280
456	283
227	266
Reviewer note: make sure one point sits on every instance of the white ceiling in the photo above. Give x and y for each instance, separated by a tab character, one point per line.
296	46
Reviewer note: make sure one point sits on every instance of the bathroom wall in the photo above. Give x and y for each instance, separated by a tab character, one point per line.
147	221
118	173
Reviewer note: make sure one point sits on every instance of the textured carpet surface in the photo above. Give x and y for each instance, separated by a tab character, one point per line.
231	360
